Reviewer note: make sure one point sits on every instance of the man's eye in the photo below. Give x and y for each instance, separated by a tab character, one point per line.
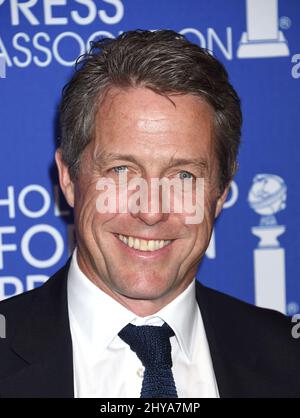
186	175
120	169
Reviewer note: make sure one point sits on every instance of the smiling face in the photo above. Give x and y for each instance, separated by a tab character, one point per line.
143	134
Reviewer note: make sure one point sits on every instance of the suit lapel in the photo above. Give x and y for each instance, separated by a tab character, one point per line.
232	357
42	339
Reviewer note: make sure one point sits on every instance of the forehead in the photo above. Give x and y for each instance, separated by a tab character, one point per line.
140	119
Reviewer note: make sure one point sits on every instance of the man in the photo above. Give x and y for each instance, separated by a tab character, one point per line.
125	316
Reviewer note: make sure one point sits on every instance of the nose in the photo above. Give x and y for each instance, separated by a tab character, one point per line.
151	218
150	209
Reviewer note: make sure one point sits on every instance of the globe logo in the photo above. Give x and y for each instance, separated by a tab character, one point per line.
267	196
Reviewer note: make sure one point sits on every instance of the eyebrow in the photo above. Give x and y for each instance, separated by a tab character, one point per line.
197	162
107	157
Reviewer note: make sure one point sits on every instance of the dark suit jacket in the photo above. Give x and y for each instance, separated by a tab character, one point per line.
253	352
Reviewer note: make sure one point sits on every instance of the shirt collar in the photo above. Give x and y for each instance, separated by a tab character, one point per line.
89	308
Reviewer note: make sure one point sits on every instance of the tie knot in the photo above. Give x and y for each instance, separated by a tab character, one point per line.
150	343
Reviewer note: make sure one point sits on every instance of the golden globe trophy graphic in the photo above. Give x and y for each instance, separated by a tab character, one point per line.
263	39
267	197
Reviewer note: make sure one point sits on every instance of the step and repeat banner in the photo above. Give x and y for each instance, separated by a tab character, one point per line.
254	253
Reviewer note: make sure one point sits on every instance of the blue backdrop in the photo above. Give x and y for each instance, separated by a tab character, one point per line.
259	43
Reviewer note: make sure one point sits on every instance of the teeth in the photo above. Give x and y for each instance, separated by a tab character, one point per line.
136	244
151	245
130	241
142	244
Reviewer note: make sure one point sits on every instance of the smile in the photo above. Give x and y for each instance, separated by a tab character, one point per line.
142	244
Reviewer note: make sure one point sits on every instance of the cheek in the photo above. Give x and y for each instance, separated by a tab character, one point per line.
88	219
85	209
201	232
199	216
84	206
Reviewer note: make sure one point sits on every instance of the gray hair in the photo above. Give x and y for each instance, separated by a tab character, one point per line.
163	61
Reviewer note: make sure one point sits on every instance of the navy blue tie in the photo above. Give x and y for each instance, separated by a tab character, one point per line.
152	346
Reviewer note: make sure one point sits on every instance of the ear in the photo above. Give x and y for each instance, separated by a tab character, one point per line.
66	184
221	201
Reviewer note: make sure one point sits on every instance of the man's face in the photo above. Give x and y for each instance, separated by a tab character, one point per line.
143	134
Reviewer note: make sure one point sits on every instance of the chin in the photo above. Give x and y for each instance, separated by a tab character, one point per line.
144	295
145	288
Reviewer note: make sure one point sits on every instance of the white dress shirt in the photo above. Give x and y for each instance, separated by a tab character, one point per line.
105	366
